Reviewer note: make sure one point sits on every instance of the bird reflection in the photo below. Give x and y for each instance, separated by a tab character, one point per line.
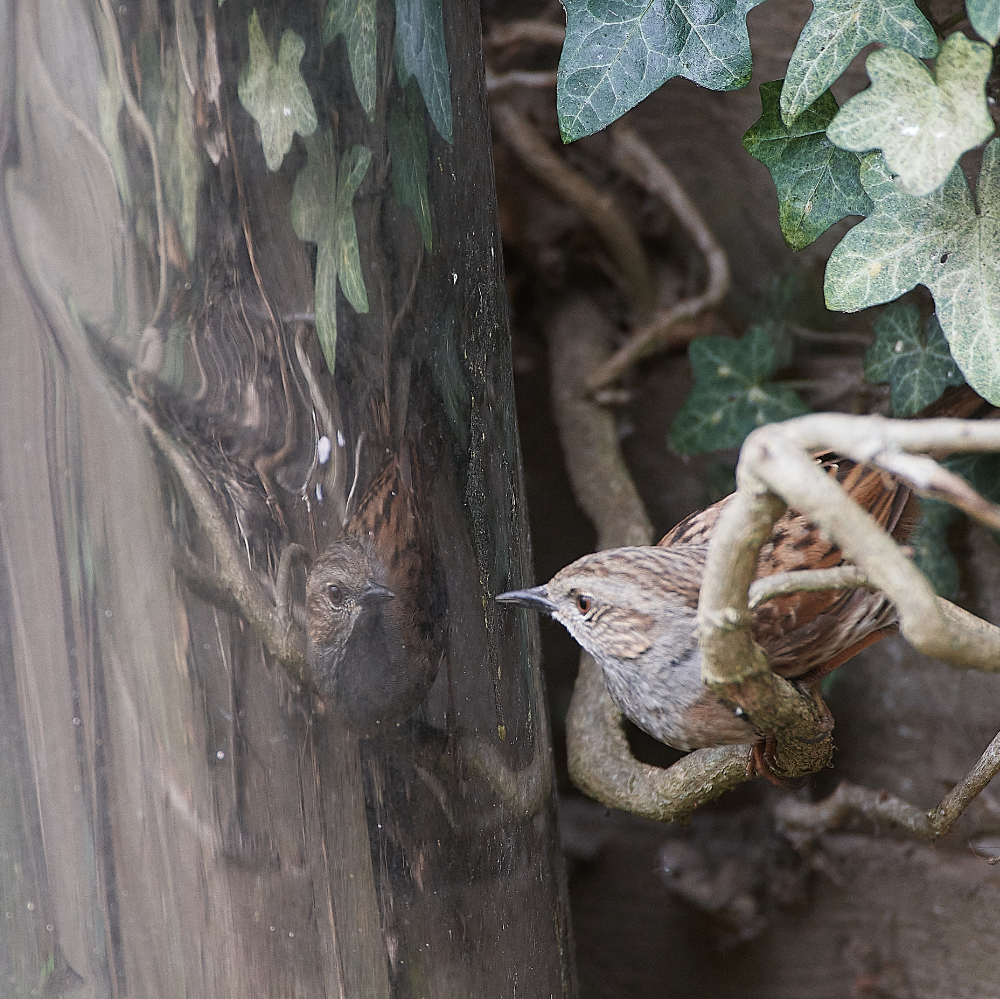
369	605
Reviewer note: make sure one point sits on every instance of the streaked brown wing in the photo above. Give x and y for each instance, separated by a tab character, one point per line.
390	518
695	528
801	632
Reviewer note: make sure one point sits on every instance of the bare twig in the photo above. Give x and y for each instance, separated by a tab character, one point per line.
530	79
806	580
669	327
842	338
850	801
776	466
598	208
936	482
525	32
578	335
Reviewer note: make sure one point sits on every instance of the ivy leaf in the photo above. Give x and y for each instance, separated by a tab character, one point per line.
408	148
275	93
420	47
355	20
922	123
619	51
837	30
929	541
984	15
323	213
981	471
732	394
818	184
931	552
938	241
912	356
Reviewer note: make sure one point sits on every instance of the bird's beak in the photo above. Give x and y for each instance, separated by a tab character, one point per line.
537	598
375	591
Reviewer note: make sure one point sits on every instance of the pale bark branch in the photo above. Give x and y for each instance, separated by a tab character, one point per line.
529	79
843	577
776	461
936	482
602	765
528	32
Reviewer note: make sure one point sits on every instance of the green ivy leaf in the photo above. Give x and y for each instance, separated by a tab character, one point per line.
323	213
732	394
912	356
931	553
275	93
981	471
837	30
929	542
355	20
984	15
938	241
619	51
818	184
421	49
408	149
922	123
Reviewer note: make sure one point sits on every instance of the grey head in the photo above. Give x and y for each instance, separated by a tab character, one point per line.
634	611
346	582
365	662
619	603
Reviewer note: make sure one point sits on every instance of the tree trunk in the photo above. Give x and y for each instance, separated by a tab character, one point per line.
179	816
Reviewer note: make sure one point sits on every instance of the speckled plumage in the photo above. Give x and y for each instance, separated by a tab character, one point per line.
634	609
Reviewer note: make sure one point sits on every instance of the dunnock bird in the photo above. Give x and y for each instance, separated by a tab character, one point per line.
368	613
634	609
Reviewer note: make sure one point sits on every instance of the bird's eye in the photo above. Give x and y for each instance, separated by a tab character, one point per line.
584	603
335	595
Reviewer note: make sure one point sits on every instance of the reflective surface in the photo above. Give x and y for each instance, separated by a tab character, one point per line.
267	732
